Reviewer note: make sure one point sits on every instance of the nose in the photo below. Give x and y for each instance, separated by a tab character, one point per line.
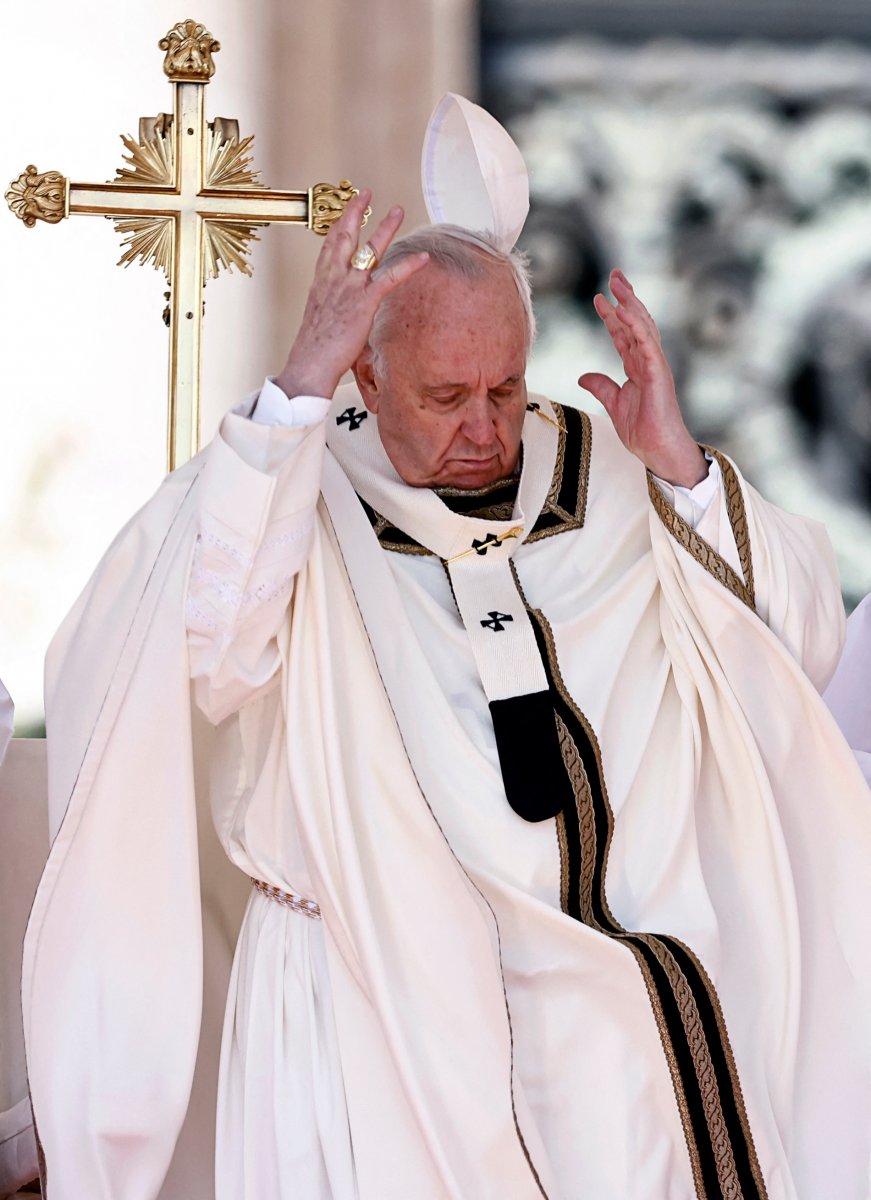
479	424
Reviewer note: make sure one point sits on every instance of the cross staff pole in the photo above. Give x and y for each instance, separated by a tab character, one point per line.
188	203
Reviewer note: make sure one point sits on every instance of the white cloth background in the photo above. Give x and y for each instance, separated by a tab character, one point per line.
23	851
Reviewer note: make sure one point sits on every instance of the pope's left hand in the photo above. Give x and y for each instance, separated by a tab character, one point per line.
644	410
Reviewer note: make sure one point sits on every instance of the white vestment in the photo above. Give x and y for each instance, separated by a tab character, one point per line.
449	1028
849	692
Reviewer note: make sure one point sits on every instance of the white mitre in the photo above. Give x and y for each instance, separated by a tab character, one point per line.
473	174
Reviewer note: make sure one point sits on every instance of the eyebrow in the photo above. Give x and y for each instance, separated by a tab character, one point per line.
462	387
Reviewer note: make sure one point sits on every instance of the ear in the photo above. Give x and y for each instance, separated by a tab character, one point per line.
368	380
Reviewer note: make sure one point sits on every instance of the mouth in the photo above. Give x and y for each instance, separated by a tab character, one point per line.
472	472
476	463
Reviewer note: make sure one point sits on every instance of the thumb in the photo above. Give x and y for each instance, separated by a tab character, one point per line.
606	391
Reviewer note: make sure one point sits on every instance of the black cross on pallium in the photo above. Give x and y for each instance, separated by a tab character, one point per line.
484	545
496	621
352	418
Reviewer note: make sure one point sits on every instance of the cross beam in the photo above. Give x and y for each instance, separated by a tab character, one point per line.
188	202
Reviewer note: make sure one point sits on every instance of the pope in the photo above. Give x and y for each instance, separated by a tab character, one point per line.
484	737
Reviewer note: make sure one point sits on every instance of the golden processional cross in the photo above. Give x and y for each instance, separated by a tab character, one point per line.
188	202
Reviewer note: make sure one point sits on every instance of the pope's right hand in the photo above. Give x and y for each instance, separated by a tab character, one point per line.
342	303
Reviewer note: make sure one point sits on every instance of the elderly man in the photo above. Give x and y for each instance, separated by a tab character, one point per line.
558	862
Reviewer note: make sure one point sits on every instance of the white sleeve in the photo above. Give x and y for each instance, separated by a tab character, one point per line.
258	495
704	509
275	407
692	503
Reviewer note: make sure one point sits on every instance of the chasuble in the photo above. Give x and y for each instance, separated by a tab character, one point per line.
559	858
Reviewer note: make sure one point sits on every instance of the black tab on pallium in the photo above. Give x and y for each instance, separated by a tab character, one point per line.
533	772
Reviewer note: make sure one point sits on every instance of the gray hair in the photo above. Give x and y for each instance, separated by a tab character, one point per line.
459	252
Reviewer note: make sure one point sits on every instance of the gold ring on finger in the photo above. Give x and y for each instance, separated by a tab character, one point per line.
364	259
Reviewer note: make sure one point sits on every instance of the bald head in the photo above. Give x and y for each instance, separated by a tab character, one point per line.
462	255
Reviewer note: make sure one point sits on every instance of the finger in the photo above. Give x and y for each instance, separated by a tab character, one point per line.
384	281
621	336
624	287
646	340
386	231
345	233
606	391
625	294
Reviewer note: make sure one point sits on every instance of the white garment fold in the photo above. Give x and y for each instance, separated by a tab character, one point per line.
849	693
354	763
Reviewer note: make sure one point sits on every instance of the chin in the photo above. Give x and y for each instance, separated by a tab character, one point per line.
470	475
468	479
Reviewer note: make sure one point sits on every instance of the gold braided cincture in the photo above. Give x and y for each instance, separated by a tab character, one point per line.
308	908
492	539
187	202
537	409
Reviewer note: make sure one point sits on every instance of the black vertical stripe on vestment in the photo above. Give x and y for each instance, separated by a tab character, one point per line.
683	998
535	782
555	757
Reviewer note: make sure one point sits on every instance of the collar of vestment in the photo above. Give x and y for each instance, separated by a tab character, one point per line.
477	550
549	497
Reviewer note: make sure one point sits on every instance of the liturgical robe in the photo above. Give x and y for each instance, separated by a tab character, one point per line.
658	985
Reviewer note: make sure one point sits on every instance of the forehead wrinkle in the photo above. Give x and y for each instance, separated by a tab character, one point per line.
451	332
514	377
434	291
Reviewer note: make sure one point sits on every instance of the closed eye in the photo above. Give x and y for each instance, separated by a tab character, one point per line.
505	390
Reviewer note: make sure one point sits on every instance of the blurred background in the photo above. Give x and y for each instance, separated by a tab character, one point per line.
720	154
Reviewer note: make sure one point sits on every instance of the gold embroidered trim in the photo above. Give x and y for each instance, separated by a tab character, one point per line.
503	511
737	519
690	1017
486	490
727	1171
588	729
586	820
568	520
731	1065
563	843
683	1107
494	512
701	551
400	548
308	908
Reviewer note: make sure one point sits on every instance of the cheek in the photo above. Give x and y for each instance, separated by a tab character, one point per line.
511	424
418	437
434	432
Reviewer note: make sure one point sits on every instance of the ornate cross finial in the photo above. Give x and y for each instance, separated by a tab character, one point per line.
189	48
187	201
38	197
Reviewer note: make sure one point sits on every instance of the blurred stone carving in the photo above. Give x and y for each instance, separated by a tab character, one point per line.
733	184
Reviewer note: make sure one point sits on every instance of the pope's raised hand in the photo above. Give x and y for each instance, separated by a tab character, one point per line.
644	409
342	302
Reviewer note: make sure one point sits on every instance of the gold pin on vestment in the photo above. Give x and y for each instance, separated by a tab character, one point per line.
492	539
536	408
